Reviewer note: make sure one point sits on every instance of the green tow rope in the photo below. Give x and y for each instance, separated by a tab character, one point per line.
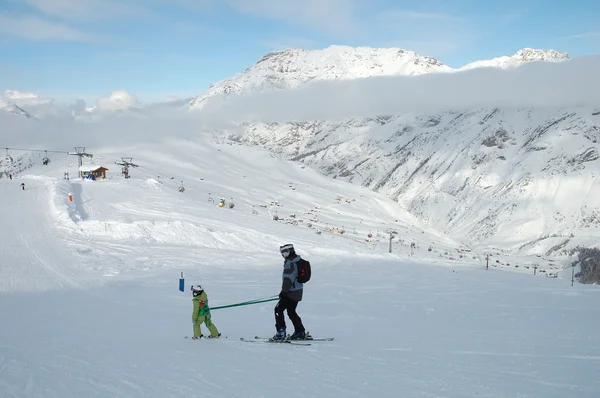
257	301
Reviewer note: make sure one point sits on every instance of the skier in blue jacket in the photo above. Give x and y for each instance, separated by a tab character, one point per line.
290	296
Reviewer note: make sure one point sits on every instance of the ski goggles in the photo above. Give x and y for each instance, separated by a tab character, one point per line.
286	250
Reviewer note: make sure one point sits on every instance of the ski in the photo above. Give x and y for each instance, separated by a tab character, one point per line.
309	338
269	340
206	338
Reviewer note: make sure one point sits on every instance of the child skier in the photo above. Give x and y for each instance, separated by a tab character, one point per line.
202	314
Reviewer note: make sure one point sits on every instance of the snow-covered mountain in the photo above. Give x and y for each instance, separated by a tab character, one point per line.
440	166
465	173
14	102
286	69
292	68
14	109
521	57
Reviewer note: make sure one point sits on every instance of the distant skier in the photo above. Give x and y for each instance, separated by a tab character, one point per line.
201	313
10	176
290	296
23	186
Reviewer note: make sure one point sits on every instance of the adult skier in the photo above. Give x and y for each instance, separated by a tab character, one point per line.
290	296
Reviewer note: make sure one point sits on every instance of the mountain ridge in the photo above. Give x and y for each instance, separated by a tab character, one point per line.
291	68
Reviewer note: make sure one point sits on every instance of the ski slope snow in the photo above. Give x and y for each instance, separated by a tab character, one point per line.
90	306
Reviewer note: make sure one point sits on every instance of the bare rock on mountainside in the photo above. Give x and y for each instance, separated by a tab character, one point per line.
588	260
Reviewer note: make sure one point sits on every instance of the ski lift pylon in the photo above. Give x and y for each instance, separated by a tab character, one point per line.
8	157
46	160
210	199
181	188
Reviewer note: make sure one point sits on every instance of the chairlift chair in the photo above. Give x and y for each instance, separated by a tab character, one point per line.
45	160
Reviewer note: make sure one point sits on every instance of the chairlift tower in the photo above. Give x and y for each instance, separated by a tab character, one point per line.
126	163
8	157
80	153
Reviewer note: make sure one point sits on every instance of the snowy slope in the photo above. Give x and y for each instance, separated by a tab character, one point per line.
90	306
31	249
260	189
521	179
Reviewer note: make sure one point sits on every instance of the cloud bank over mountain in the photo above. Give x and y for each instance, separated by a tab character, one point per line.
571	83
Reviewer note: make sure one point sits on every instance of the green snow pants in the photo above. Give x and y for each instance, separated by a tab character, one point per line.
206	319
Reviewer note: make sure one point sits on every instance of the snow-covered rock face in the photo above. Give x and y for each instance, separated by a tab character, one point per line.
294	67
465	173
523	56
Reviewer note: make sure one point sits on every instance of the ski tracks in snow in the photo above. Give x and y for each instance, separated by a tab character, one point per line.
33	255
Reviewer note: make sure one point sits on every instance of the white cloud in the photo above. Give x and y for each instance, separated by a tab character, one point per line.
34	28
21	98
569	83
117	100
172	98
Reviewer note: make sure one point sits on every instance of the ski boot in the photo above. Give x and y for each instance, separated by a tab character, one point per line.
298	336
280	335
197	338
214	337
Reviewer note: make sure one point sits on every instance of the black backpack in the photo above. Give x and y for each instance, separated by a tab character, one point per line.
303	271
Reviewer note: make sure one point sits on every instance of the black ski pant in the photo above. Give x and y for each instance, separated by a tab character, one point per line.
284	304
